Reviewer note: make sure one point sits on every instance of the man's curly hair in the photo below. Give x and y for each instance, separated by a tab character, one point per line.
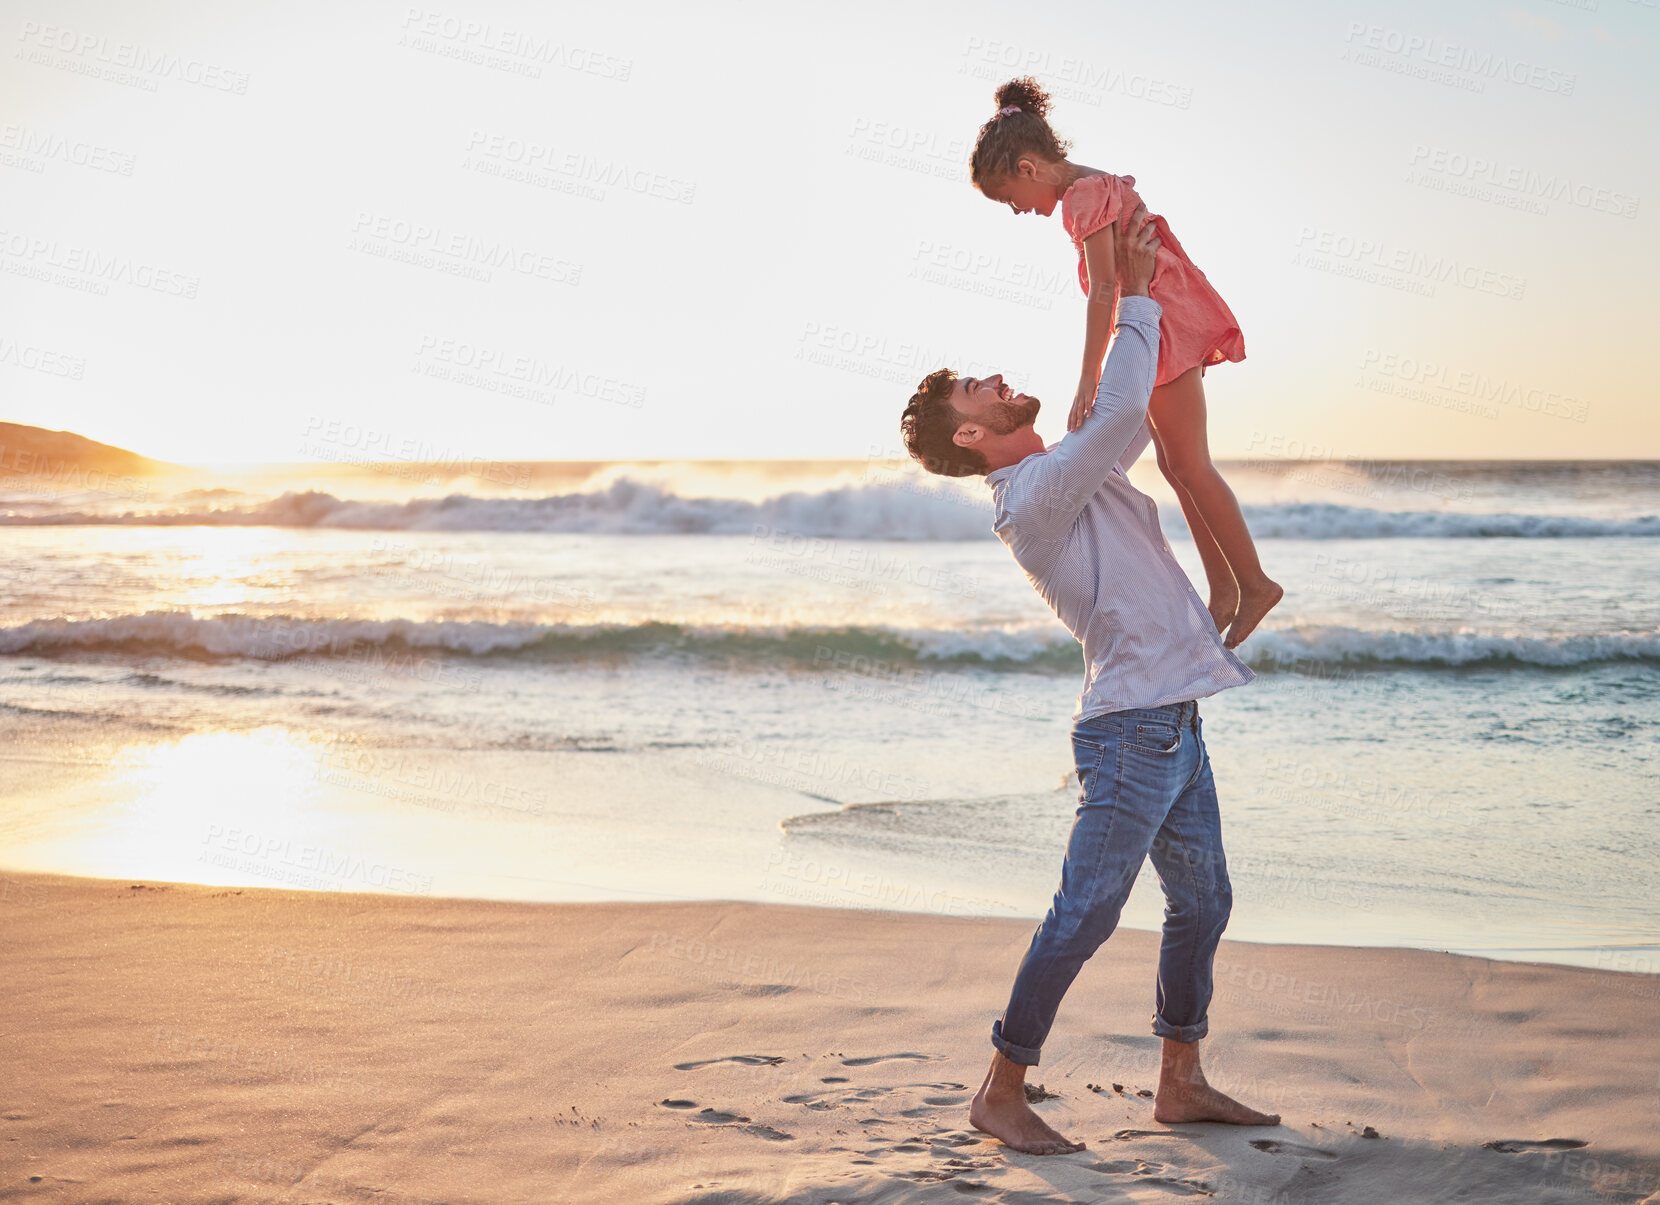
927	427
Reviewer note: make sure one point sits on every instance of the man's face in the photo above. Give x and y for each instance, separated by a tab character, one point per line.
992	404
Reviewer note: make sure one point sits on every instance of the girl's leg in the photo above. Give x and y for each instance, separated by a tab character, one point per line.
1177	410
1224	591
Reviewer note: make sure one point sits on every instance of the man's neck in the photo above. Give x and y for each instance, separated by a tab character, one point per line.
1017	447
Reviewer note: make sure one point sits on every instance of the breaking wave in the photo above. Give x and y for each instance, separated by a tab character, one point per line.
869	649
902	509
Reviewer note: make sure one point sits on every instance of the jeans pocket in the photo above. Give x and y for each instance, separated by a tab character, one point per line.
1087	755
1155	736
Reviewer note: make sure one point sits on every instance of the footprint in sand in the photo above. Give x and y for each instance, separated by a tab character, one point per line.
810	1100
767	1132
748	1060
867	1060
1153	1173
942	1177
1275	1147
837	1098
718	1117
1180	1188
1515	1146
723	1120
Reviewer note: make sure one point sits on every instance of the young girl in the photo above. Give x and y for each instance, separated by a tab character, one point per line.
1018	160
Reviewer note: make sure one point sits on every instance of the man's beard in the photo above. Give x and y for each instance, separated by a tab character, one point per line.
1008	417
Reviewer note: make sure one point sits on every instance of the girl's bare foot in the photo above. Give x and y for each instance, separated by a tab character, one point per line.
1224	605
1256	599
1000	1109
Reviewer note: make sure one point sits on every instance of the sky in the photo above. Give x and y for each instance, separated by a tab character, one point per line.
520	231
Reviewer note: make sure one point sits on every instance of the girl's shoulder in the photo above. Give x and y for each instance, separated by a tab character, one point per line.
1094	201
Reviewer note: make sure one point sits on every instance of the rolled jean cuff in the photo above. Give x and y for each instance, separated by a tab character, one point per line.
1180	1033
1025	1055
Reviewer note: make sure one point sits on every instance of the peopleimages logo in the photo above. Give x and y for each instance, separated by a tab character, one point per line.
37	146
463	253
41	359
528	160
86	269
1430	374
1068	76
489	45
1376	261
149	64
1428	52
1523	183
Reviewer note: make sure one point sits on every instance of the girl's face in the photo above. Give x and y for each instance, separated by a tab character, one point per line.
1027	190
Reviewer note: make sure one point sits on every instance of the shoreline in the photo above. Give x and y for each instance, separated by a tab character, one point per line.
259	1043
95	795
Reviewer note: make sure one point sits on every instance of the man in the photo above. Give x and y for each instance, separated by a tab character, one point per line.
1091	545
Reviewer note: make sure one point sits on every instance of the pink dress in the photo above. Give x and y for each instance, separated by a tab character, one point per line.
1196	327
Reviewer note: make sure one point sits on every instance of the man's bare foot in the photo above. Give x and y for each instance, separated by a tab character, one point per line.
1000	1109
1200	1102
1011	1120
1185	1095
1255	601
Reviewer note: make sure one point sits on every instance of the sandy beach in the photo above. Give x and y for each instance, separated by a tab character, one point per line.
175	1042
555	557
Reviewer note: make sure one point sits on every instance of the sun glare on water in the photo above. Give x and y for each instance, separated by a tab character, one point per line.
214	807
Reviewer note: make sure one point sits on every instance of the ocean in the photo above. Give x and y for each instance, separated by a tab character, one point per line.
827	683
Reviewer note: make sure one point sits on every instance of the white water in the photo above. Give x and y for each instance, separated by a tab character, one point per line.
1454	739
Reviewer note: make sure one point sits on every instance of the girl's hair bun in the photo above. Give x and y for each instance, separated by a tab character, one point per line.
1024	93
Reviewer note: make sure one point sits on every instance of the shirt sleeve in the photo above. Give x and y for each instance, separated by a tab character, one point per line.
1062	480
1138	445
1101	200
1094	206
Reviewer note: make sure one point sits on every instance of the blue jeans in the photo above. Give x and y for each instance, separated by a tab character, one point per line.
1147	790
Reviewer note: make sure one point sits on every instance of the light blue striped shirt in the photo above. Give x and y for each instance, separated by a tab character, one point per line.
1091	545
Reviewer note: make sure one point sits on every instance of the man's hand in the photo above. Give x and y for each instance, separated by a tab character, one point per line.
1134	245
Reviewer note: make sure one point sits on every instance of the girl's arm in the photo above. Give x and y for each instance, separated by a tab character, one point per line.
1101	314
